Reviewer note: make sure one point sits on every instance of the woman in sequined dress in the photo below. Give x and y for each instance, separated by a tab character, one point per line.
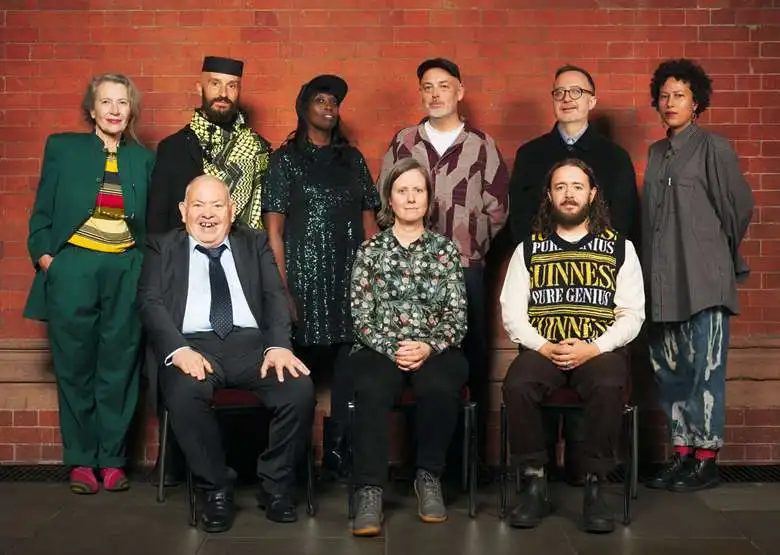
318	206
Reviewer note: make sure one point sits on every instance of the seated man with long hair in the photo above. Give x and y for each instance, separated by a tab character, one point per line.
573	298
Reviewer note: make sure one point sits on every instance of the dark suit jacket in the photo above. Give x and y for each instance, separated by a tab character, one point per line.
71	175
179	161
611	165
162	292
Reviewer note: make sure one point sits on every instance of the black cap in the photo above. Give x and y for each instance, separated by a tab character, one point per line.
332	84
443	63
228	66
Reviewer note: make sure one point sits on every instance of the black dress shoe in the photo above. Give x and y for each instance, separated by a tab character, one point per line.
219	512
597	517
534	504
702	474
277	507
679	464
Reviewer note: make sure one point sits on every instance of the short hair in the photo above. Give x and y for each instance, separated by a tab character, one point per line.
386	217
569	67
598	215
133	95
687	71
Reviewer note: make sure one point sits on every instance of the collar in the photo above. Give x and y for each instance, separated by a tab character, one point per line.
571	139
392	240
676	142
194	243
99	141
422	133
587	137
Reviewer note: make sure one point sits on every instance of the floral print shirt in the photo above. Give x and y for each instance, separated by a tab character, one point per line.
414	293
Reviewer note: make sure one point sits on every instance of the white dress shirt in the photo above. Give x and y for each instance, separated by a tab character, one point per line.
196	313
629	304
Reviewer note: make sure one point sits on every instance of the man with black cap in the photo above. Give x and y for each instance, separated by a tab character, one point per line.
217	141
470	183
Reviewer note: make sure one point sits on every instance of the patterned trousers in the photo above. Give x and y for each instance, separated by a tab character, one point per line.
689	361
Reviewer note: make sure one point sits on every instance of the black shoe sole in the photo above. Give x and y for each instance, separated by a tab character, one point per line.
657	485
604	528
215	528
678	488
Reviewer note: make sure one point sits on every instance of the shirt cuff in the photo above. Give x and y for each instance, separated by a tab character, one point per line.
169	358
272	348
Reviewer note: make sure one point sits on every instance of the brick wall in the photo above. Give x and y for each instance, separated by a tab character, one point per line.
507	51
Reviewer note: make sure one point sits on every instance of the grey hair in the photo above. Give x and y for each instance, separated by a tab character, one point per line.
385	218
133	95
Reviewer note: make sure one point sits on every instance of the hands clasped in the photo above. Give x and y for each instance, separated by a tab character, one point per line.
569	353
411	355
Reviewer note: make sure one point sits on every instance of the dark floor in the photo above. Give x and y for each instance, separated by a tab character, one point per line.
46	519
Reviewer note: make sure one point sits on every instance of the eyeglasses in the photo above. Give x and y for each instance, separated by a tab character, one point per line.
575	93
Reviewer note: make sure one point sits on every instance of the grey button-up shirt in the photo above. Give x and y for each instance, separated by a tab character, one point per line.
696	208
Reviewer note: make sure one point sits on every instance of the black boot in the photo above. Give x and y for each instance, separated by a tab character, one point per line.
596	515
534	503
219	512
702	474
679	464
334	448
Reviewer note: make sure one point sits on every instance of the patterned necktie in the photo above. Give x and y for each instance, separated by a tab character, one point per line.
221	313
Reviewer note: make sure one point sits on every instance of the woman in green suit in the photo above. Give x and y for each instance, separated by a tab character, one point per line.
86	231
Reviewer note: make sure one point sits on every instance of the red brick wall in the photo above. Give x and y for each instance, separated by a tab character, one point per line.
507	51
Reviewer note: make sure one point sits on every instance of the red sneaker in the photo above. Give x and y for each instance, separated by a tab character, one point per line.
114	479
83	481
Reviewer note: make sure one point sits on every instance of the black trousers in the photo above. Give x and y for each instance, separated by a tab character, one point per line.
476	350
328	364
236	361
600	383
378	383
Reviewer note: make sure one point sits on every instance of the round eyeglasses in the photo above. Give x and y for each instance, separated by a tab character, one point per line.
575	93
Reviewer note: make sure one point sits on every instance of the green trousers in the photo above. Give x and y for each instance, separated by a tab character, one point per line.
94	333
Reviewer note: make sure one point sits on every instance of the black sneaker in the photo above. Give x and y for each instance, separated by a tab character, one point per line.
702	474
672	469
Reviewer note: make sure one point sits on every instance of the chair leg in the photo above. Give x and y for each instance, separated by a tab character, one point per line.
466	466
193	518
629	467
311	508
472	461
351	483
503	466
164	425
635	454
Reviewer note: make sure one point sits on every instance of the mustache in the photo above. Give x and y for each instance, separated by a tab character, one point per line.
224	99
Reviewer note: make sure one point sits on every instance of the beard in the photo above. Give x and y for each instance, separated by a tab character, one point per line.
215	116
571	220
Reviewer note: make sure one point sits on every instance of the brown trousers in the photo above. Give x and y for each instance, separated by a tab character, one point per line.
600	383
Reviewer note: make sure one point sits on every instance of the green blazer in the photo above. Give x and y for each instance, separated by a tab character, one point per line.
71	175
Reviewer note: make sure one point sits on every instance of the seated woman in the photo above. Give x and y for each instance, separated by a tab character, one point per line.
409	312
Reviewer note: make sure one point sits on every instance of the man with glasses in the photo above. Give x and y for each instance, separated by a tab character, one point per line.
573	98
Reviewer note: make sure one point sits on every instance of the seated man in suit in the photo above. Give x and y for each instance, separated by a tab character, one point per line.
573	298
213	305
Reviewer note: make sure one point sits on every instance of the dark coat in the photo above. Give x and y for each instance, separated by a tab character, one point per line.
71	176
162	293
179	161
611	164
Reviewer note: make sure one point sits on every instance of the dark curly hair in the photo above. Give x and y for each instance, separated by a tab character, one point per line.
598	215
687	71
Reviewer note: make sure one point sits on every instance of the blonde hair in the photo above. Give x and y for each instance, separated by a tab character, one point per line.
133	95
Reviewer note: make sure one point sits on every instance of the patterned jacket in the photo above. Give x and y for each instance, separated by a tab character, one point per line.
470	183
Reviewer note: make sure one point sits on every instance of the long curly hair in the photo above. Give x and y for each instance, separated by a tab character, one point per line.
598	214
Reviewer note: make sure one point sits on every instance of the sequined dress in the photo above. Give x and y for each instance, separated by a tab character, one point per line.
323	197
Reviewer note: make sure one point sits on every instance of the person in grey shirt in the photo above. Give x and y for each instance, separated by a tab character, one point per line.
696	209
